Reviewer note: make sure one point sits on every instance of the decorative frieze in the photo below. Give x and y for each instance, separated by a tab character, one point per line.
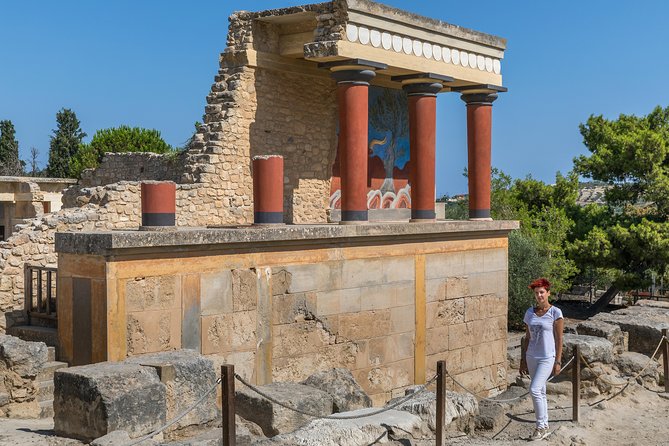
429	50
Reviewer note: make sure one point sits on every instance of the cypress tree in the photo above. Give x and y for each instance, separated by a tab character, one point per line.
64	144
9	150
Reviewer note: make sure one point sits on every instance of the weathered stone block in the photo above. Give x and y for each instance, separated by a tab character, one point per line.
362	431
289	308
339	384
631	363
244	290
153	293
314	277
362	273
364	325
152	331
399	269
402	319
93	400
216	333
444	265
593	349
22	357
274	419
216	293
191	377
603	330
377	297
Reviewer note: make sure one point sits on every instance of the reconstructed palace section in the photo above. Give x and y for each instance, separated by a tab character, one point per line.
383	300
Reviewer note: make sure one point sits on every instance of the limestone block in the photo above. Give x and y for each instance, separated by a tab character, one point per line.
152	331
153	293
216	293
297	368
289	308
216	333
459	336
381	379
631	363
390	348
364	325
398	269
377	297
322	276
603	330
436	340
280	282
187	377
644	325
300	338
593	349
22	357
459	408
450	312
274	419
441	266
339	384
93	400
244	290
362	273
402	319
362	431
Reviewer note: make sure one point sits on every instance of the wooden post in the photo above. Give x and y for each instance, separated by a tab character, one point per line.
441	401
576	382
228	404
665	359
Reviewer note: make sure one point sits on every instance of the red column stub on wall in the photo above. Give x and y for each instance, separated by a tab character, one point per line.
267	189
158	203
479	142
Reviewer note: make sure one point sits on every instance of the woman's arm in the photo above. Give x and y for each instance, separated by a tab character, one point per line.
523	350
558	327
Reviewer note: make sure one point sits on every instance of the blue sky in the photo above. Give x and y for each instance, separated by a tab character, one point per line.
151	63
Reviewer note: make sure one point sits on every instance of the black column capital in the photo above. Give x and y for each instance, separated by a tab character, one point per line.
423	89
479	98
353	76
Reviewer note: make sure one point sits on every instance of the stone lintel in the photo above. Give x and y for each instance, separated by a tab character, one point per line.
114	242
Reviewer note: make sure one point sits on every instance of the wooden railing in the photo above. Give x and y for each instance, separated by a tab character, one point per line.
40	292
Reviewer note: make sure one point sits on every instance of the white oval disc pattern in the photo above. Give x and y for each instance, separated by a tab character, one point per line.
351	32
418	48
375	38
436	52
455	57
363	35
387	41
407	45
421	49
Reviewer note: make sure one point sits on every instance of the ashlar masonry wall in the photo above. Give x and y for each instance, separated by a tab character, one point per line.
281	307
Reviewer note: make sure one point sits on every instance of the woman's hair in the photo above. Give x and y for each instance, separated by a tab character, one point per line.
540	283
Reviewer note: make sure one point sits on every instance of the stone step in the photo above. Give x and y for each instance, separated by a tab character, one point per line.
46	409
48	369
35	333
45	391
52	353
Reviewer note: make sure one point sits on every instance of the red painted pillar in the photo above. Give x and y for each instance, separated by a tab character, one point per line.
352	100
158	203
267	189
422	141
479	141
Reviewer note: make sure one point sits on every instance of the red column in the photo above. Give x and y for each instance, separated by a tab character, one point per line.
422	140
352	99
158	203
267	189
479	141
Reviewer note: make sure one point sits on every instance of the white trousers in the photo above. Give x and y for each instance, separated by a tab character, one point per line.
540	370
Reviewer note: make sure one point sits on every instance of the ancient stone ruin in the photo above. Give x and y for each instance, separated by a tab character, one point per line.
345	92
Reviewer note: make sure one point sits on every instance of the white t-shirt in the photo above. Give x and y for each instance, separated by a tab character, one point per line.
542	340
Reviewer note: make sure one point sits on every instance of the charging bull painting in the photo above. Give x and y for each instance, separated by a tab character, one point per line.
388	148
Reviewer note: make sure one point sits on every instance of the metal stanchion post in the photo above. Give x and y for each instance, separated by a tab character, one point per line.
665	359
441	401
576	382
228	404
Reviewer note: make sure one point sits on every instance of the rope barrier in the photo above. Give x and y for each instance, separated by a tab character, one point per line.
337	416
509	400
177	418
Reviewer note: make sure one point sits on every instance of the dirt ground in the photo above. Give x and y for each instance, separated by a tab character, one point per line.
635	417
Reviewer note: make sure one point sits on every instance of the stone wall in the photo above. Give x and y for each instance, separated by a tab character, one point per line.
116	167
387	311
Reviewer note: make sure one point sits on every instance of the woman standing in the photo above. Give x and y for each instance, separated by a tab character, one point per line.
541	350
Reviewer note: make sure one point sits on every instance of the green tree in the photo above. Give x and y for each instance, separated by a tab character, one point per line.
629	236
117	140
10	164
65	143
